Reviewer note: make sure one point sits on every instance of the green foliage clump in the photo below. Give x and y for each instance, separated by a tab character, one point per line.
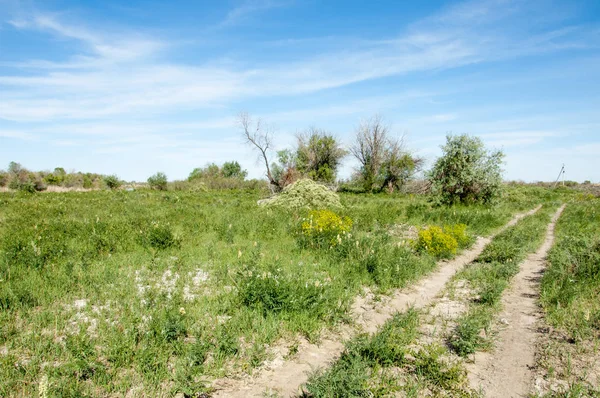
466	172
319	155
233	170
324	228
434	241
112	181
161	237
158	181
306	194
467	337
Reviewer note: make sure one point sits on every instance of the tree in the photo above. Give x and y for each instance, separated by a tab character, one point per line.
285	170
158	181
466	172
15	168
260	136
112	181
369	149
399	166
319	155
233	170
384	161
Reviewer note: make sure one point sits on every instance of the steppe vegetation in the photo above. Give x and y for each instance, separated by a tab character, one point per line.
161	288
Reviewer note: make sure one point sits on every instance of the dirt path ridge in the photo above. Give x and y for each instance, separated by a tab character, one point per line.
285	377
507	371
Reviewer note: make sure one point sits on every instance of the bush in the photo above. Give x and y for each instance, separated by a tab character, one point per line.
112	181
466	172
3	179
467	337
161	237
435	241
158	181
305	194
274	292
459	233
52	179
324	228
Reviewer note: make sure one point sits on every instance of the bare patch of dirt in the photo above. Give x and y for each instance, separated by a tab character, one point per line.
507	371
561	362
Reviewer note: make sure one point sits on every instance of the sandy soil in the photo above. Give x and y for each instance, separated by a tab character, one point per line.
507	371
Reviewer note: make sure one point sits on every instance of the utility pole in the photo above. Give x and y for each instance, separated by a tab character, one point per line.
561	173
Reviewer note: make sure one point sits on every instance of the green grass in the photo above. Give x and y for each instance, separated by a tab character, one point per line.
571	286
490	274
570	289
388	362
102	292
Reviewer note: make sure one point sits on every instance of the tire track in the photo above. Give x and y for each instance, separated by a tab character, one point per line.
507	371
286	377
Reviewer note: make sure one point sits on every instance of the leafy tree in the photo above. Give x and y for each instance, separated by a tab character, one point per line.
233	170
59	171
398	167
285	170
211	170
112	181
384	161
158	181
466	172
15	168
319	155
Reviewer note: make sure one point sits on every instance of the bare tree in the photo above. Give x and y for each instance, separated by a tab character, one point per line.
260	136
369	148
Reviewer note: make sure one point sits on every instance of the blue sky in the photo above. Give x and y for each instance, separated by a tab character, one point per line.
142	86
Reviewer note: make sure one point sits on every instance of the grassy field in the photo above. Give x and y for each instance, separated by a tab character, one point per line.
160	292
570	294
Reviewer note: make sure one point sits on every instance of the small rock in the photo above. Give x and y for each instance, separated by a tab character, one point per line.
503	321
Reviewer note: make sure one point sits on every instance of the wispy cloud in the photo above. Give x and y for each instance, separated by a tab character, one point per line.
113	86
249	9
120	72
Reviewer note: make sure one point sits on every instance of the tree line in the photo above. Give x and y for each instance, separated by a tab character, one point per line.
385	162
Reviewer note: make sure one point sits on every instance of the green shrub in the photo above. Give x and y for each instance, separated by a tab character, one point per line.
87	182
112	181
161	237
158	181
466	172
3	179
273	291
169	325
434	241
52	179
467	337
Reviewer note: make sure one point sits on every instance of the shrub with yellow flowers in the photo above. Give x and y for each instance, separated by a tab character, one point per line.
324	228
434	241
459	233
